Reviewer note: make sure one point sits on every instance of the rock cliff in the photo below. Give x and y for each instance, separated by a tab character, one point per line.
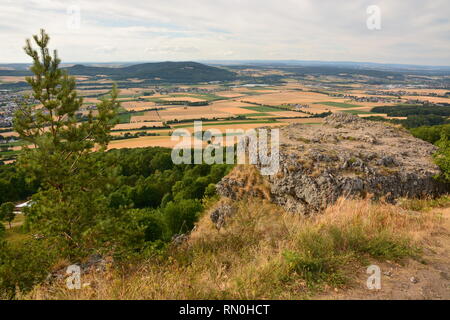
346	156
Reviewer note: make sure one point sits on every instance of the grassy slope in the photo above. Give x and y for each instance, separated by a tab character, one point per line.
15	233
265	253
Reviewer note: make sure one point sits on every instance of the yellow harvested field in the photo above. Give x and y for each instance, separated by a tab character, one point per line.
376	115
9	134
430	99
232	107
235	110
137	105
318	108
143	142
183	113
137	125
288	114
228	94
245	90
183	98
165	141
236	126
130	91
11	79
133	80
384	115
103	81
148	116
290	97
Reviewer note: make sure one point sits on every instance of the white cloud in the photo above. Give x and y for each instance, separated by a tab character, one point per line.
106	49
412	31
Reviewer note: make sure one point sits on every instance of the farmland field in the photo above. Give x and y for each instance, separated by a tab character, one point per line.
158	110
262	109
338	104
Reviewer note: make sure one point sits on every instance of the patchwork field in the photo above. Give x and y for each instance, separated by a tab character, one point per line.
164	140
183	98
428	98
292	97
231	106
137	105
136	125
184	113
11	78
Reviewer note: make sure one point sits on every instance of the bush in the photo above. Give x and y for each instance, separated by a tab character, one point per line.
431	134
323	252
180	216
23	266
442	157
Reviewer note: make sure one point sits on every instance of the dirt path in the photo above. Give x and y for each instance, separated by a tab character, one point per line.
428	279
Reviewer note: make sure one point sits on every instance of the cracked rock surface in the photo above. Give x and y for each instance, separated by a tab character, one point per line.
347	156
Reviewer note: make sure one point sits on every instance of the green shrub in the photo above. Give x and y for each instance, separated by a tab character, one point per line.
442	157
23	266
431	134
180	216
323	253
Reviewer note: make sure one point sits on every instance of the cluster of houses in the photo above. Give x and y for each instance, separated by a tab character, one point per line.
9	102
364	99
195	90
401	93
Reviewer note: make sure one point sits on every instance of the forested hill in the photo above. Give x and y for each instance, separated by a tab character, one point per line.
167	72
185	72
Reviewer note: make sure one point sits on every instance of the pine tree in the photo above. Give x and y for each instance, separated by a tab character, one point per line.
60	152
7	212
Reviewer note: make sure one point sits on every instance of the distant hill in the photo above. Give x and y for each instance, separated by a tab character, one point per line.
174	72
164	72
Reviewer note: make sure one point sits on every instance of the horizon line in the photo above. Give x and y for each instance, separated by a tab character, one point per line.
244	61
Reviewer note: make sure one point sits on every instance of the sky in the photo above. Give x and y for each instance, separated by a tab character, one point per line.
396	31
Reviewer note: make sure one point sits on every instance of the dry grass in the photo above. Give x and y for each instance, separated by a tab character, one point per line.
265	253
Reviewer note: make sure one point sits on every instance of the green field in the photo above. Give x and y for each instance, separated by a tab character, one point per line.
258	114
262	109
9	153
125	117
339	104
207	96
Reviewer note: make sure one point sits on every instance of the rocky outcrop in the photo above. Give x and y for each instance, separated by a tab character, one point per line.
346	156
221	213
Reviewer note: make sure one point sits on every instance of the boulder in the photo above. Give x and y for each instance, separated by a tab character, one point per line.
346	156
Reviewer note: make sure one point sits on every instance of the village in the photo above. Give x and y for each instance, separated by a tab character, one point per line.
9	102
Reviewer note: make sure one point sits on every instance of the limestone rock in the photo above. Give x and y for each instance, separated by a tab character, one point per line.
346	156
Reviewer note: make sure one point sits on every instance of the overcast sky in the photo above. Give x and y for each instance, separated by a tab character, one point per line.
412	31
